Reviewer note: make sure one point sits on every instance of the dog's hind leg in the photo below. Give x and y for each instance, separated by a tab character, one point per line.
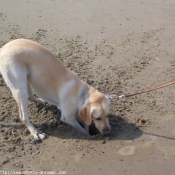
32	97
17	82
21	96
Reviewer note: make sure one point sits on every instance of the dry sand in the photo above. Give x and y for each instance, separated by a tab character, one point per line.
117	47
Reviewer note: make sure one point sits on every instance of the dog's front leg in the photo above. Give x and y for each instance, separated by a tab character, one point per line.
82	123
74	123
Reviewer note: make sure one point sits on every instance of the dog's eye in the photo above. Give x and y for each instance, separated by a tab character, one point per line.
98	118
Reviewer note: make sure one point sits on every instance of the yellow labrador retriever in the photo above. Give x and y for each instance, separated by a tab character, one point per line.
27	66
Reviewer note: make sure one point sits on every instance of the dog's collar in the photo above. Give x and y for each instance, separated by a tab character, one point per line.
82	97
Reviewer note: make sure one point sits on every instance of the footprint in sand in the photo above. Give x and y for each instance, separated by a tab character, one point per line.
127	151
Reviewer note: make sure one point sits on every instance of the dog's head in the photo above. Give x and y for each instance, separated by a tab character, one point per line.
96	109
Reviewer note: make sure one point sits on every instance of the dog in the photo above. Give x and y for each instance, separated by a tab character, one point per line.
28	67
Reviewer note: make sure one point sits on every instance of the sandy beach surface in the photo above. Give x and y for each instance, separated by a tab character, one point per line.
117	47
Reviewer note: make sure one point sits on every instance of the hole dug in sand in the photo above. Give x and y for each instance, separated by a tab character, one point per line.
93	130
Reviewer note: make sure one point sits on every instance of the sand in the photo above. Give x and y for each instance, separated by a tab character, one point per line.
117	47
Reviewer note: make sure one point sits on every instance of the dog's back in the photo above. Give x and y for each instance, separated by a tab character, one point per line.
42	67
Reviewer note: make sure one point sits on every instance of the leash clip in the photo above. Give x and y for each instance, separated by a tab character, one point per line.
115	96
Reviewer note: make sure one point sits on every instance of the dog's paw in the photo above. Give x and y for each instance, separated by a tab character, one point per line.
39	136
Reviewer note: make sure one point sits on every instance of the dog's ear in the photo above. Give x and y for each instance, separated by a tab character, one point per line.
85	113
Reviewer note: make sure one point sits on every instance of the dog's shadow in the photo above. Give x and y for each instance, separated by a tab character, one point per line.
120	130
123	129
